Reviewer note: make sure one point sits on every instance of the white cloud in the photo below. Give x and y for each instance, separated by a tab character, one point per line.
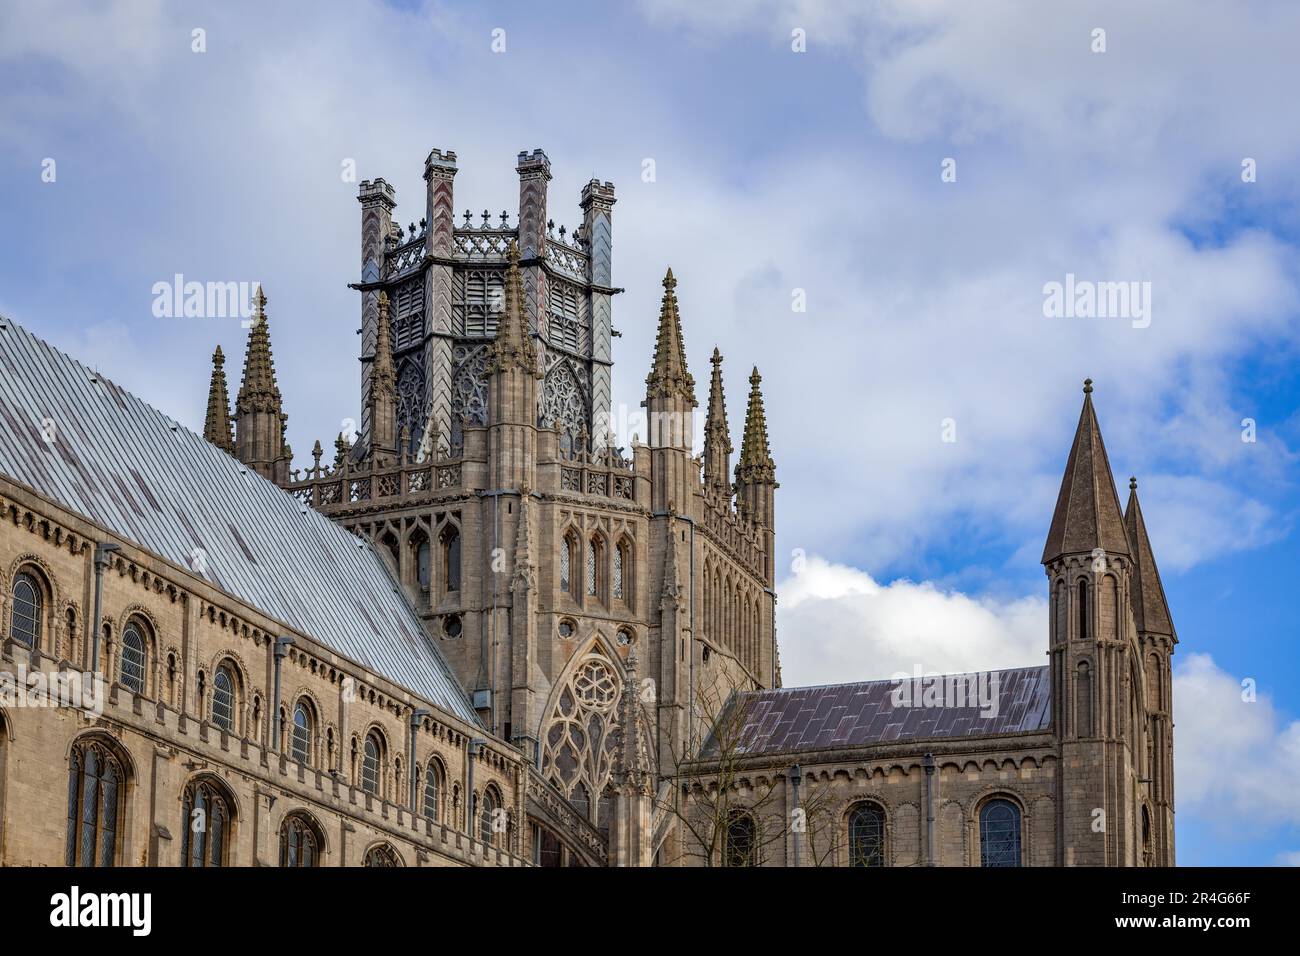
924	300
1234	760
836	623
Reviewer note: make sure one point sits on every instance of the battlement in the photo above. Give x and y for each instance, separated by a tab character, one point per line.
377	191
534	162
438	160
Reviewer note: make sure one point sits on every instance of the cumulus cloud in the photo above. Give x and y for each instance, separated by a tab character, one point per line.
836	623
1235	759
924	299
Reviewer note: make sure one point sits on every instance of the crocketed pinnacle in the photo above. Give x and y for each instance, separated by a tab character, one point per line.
513	347
669	376
633	770
755	463
1150	609
258	391
383	377
1087	515
216	427
717	436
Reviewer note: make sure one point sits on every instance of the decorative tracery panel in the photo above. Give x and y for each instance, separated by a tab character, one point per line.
410	394
582	737
564	400
469	390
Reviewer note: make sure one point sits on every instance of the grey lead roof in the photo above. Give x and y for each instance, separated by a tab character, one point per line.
858	715
131	469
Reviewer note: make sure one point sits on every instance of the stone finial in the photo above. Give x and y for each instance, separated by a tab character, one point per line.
755	463
669	376
1087	515
513	348
717	434
217	424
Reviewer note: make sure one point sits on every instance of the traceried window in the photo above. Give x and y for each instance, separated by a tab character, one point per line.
593	567
741	848
27	606
205	826
1000	834
433	791
382	855
223	698
96	790
582	734
371	762
422	565
867	835
131	667
451	558
617	583
566	565
302	732
300	841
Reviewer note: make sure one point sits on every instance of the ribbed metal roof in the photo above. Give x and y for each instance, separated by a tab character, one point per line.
131	469
793	719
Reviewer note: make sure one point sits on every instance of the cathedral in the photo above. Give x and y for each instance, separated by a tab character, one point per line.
482	633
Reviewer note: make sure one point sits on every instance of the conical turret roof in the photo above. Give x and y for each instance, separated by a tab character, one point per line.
1087	513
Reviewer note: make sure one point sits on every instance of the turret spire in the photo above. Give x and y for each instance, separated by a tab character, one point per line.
217	427
259	412
512	347
717	435
669	376
755	463
1088	515
1150	609
258	390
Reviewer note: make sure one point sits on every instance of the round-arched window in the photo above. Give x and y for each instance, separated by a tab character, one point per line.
134	658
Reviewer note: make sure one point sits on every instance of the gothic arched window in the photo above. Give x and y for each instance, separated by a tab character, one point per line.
371	761
382	855
999	833
302	732
96	790
593	567
223	698
433	791
28	602
301	841
451	558
205	826
620	566
134	658
741	848
566	564
867	835
488	815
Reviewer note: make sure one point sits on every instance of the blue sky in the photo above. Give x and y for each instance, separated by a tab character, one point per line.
774	171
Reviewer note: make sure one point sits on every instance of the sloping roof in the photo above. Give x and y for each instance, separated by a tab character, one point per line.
1087	512
794	719
128	467
1150	609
